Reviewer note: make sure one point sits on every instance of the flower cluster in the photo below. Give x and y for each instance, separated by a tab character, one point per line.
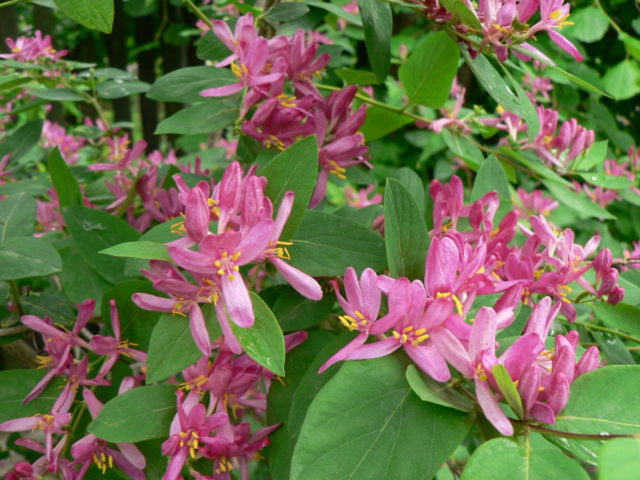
245	233
26	49
435	320
504	24
278	75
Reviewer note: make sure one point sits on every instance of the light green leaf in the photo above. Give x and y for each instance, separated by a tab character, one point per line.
93	14
621	316
23	257
139	414
577	201
428	73
285	12
589	24
595	156
619	459
264	341
435	392
140	249
508	389
356	77
491	177
368	410
462	12
380	121
623	80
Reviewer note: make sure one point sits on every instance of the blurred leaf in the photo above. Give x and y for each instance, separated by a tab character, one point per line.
285	12
336	10
112	89
623	80
378	24
579	202
23	257
17	216
20	142
58	94
595	156
93	14
607	181
462	12
356	77
589	25
429	71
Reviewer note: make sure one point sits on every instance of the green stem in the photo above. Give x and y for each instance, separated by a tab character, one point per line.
199	13
613	24
9	3
15	295
591	326
6	332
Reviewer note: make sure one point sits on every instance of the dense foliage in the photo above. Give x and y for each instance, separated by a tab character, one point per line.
312	240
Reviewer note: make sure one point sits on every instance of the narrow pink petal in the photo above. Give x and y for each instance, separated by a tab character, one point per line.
199	330
374	350
224	91
40	386
430	361
284	210
236	298
345	351
191	260
522	354
95	405
154	303
175	465
255	241
304	284
483	333
565	45
229	337
452	350
491	408
39	325
19	424
132	454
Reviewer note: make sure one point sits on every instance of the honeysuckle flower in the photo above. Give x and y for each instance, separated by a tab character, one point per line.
51	423
58	344
91	449
186	439
553	16
535	203
25	49
113	347
54	135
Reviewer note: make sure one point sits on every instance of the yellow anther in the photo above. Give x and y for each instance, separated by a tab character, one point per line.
421	338
443	294
458	303
192	452
110	461
404	337
236	256
236	268
232	277
420	331
217	263
396	335
496	276
359	315
480	270
220	271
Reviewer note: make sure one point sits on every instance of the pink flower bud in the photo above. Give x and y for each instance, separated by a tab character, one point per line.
616	296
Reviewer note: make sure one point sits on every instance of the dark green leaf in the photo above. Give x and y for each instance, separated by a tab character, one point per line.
23	257
203	117
412	182
112	89
464	149
63	180
295	312
263	341
211	48
406	236
184	85
139	249
93	231
93	14
79	280
139	414
368	410
285	12
17	216
579	202
56	307
295	169
429	71
378	23
325	245
21	141
16	385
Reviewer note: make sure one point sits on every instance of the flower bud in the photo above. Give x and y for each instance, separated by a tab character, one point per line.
616	296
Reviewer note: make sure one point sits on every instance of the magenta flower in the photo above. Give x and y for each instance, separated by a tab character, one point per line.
553	16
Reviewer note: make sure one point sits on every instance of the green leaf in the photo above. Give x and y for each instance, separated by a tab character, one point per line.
504	459
112	89
325	245
63	180
171	348
462	12
491	177
621	316
285	12
16	385
203	117
464	149
589	25
428	390
378	23
21	141
356	77
58	94
577	201
211	48
17	216
586	411
595	156
294	169
56	307
619	458
93	14
607	181
79	280
295	312
406	236
368	410
428	73
280	398
136	324
140	249
92	231
139	414
412	182
23	257
263	341
336	10
380	121
623	80
508	389
632	44
184	85
536	166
